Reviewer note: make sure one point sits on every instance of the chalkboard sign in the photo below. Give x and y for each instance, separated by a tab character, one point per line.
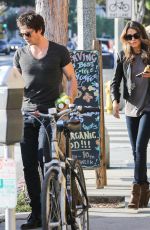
85	144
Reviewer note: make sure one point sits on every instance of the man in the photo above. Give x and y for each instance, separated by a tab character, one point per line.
41	63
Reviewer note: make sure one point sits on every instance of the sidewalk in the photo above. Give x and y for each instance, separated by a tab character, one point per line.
109	216
109	210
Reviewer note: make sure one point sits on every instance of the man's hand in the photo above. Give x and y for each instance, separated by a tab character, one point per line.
36	113
116	109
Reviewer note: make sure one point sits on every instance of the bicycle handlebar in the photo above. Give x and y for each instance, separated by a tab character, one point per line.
72	109
81	109
86	109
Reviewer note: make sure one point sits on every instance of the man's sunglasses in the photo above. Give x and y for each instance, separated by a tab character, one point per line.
129	37
27	34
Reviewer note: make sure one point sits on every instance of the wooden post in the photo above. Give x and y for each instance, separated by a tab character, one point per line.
101	178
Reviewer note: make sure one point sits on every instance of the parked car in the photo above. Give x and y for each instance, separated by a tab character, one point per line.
109	42
107	60
4	47
107	57
104	47
15	44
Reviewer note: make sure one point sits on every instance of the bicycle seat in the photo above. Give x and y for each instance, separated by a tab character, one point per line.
72	125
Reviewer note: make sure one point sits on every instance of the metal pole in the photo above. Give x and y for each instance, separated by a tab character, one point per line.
134	10
119	25
10	218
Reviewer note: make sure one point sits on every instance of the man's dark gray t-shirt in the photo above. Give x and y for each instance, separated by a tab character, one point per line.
42	77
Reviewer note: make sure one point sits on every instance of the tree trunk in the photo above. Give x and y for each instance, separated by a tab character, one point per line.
55	14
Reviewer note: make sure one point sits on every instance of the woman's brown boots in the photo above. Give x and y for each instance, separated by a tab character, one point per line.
140	195
135	196
145	195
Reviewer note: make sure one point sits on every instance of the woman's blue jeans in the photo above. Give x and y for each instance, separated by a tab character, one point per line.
139	134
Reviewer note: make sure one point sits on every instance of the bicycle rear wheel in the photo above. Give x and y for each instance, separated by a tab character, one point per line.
79	197
51	214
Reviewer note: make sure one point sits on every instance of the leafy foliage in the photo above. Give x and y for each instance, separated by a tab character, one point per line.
104	25
147	4
11	22
22	203
101	2
73	16
19	2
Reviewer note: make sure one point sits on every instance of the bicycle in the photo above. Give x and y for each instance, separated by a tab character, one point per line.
119	5
64	197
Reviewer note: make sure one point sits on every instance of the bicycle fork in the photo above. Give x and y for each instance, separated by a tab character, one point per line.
63	199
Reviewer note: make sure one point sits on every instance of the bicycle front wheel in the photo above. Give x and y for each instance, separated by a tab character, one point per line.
79	197
51	214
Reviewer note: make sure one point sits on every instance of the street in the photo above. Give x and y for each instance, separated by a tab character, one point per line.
116	219
6	59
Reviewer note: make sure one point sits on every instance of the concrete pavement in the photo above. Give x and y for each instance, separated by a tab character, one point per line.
115	215
109	216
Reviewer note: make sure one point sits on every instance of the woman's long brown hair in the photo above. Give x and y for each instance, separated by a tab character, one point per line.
145	42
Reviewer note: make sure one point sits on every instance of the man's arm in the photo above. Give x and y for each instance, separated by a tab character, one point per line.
69	72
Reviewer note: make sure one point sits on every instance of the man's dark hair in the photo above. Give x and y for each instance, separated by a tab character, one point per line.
31	20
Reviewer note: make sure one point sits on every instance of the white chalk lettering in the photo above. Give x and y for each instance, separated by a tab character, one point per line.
86	78
81	56
83	135
75	145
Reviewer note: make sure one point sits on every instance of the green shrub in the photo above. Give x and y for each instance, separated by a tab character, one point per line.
22	203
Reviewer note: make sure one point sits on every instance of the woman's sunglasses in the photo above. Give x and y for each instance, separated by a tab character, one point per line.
129	37
27	34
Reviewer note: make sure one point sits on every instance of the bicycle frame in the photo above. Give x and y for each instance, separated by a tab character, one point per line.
57	165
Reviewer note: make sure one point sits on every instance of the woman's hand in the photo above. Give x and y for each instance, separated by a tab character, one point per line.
146	75
116	106
146	72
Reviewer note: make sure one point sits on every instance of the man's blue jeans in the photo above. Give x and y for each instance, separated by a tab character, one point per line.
139	134
33	145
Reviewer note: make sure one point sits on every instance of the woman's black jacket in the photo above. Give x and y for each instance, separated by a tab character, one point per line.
123	72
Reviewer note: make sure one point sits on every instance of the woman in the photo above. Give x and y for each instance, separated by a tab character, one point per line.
132	61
